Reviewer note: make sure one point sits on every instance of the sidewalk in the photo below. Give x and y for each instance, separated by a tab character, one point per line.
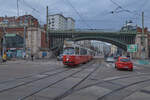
145	63
25	61
34	62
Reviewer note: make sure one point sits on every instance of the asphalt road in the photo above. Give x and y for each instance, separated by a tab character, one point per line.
51	80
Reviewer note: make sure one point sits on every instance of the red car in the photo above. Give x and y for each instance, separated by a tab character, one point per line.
124	63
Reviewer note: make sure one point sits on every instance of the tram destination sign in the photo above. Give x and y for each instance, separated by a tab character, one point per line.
132	48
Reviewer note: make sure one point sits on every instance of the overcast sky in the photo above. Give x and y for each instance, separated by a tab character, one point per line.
94	14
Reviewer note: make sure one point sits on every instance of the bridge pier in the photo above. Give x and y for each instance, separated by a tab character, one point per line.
142	52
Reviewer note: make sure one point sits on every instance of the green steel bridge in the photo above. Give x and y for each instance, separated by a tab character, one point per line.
120	39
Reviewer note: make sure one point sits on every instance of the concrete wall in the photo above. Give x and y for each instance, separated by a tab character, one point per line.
142	49
33	41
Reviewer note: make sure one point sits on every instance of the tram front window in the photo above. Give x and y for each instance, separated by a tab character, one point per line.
69	52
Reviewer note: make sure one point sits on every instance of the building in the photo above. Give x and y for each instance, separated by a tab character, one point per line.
59	22
14	45
106	49
129	27
25	27
18	31
113	50
70	23
101	48
25	20
84	43
6	21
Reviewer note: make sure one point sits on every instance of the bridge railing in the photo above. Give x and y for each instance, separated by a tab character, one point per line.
90	31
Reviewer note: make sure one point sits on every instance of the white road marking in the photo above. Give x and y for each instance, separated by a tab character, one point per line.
111	78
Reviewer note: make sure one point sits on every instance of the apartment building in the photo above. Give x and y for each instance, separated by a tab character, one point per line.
70	23
59	22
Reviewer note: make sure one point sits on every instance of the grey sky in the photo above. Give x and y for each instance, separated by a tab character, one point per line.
95	13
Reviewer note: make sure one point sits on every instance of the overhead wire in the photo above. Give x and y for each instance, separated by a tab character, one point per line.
17	7
34	10
31	7
119	8
78	13
135	13
122	9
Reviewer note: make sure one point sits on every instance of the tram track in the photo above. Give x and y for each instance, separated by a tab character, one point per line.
116	91
75	88
22	82
113	79
27	76
55	82
109	80
122	88
69	91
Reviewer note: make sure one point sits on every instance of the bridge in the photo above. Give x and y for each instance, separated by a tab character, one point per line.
120	39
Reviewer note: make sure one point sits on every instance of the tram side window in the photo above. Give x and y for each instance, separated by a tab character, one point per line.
77	51
83	51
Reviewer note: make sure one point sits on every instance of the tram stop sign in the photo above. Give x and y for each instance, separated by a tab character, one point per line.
132	48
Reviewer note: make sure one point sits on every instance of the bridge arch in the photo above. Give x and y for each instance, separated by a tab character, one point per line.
120	39
116	42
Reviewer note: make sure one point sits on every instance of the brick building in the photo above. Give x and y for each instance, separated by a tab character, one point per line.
140	30
27	20
35	35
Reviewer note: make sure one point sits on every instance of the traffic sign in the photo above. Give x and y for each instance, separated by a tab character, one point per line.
132	48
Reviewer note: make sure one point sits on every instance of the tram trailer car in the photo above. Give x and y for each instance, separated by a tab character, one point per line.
76	55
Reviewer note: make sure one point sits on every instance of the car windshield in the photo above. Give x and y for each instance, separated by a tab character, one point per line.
124	60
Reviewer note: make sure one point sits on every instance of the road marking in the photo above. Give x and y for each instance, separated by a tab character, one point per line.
135	67
109	65
139	72
111	78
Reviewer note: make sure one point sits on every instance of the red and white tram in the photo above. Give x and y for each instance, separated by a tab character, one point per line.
76	55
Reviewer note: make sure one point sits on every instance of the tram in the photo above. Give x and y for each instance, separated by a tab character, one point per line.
76	55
